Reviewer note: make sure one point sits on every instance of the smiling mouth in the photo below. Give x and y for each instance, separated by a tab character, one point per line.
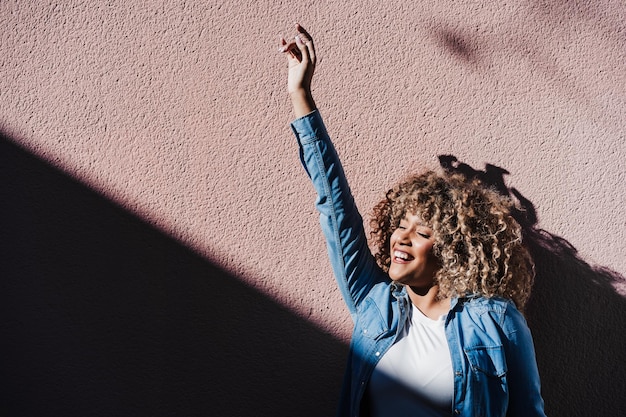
399	256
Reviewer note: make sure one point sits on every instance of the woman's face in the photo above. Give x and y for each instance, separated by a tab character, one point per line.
412	259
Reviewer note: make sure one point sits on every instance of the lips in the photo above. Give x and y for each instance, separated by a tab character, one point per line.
401	257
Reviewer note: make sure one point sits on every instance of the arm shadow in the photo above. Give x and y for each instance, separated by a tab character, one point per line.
576	314
104	315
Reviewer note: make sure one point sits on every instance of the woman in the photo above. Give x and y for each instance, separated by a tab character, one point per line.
438	329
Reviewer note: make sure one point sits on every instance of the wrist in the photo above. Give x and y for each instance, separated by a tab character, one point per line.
300	94
302	102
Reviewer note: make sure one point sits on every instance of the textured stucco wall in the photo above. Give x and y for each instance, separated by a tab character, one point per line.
176	112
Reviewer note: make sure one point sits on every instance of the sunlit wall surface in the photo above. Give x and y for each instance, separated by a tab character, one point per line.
161	250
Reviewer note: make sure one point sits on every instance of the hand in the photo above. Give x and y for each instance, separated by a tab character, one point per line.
301	59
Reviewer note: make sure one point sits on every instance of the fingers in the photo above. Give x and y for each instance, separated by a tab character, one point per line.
304	35
290	48
301	47
283	46
307	40
304	50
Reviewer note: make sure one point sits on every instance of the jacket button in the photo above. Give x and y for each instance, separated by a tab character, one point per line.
456	412
377	353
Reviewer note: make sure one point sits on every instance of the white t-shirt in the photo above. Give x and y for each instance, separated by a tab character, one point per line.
414	378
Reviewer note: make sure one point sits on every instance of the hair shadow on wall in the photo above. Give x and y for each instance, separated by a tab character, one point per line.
458	44
102	315
575	313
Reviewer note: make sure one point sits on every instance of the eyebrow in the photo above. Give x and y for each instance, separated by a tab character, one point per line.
419	223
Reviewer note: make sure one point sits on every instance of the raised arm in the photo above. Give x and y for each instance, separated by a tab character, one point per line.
353	265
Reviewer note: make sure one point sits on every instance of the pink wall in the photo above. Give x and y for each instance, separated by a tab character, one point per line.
176	111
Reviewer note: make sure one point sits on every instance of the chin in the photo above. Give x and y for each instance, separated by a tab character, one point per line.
397	279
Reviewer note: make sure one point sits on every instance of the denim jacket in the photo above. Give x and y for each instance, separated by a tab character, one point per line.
493	358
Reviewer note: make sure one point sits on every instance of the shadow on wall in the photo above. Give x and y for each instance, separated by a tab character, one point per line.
577	318
102	315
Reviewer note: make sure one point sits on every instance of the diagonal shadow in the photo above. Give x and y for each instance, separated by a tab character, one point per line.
576	315
102	315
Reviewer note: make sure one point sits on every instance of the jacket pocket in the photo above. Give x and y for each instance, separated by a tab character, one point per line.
488	383
372	325
489	361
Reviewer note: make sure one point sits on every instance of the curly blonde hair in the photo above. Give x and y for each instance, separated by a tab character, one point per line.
476	239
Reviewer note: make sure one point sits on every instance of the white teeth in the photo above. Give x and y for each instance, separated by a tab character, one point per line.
401	255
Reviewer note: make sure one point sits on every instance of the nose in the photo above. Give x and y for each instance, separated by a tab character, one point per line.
402	237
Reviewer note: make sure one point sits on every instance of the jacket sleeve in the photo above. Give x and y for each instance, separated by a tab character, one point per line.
523	376
354	266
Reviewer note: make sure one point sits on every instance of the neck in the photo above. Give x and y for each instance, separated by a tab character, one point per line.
428	302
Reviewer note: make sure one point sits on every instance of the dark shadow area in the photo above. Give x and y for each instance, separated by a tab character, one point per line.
102	315
457	44
577	318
